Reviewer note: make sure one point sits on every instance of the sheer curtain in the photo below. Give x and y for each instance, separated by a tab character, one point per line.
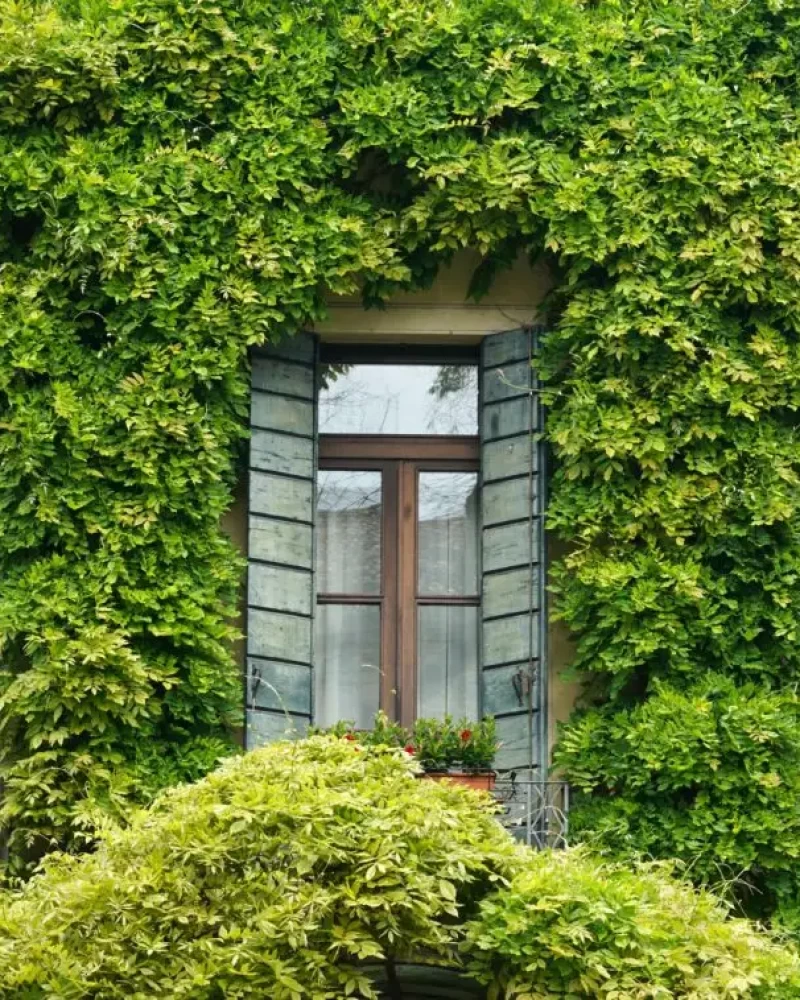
348	562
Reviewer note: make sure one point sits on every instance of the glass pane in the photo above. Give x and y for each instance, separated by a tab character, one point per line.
348	663
448	533
399	399
447	681
348	532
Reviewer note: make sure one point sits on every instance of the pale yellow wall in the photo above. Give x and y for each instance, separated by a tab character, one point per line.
562	693
442	313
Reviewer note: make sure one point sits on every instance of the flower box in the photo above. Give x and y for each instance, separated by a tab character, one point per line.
460	751
482	781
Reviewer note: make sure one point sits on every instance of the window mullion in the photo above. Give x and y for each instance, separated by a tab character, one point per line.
389	570
407	591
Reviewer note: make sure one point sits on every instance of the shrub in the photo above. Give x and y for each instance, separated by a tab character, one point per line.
572	926
271	878
287	871
710	774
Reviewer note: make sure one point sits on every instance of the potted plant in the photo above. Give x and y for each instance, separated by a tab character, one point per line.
461	751
384	732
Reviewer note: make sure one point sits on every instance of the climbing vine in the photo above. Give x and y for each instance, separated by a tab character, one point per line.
182	180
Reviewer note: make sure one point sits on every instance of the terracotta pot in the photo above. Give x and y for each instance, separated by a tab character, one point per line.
482	781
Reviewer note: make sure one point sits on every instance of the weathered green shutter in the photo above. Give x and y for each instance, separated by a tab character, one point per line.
280	578
513	641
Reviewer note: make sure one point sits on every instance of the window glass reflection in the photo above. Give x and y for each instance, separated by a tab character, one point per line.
448	533
399	399
448	661
348	532
348	663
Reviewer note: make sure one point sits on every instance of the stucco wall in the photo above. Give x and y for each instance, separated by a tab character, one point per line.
442	313
562	693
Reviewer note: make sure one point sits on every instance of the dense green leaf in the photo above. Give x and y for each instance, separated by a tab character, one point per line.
181	181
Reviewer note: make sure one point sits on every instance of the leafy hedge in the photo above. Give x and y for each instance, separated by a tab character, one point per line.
291	870
710	774
570	925
273	877
182	180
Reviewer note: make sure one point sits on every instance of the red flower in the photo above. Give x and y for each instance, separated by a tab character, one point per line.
466	734
349	736
409	749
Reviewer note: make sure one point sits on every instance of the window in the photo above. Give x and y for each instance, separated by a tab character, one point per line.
363	559
399	399
397	543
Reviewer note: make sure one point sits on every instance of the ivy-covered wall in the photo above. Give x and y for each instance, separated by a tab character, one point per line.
182	180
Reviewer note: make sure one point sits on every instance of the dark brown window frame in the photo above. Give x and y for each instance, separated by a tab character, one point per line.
400	459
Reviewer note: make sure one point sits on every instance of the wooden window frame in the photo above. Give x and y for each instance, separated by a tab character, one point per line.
400	459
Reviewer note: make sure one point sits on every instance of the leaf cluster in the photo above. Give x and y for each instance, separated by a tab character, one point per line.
278	875
571	925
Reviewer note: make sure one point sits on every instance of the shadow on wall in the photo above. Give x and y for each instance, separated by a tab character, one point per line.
234	525
562	693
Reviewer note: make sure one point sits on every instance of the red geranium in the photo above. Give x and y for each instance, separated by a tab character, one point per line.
466	734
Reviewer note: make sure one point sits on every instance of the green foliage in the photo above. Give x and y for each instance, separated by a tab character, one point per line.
275	876
572	926
442	744
383	733
181	181
710	774
437	744
293	868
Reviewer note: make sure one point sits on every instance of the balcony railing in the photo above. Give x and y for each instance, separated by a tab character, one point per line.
535	812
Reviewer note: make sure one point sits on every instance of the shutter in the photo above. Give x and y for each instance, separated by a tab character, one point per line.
513	640
280	580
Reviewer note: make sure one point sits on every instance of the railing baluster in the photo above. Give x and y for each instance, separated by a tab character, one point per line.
540	815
